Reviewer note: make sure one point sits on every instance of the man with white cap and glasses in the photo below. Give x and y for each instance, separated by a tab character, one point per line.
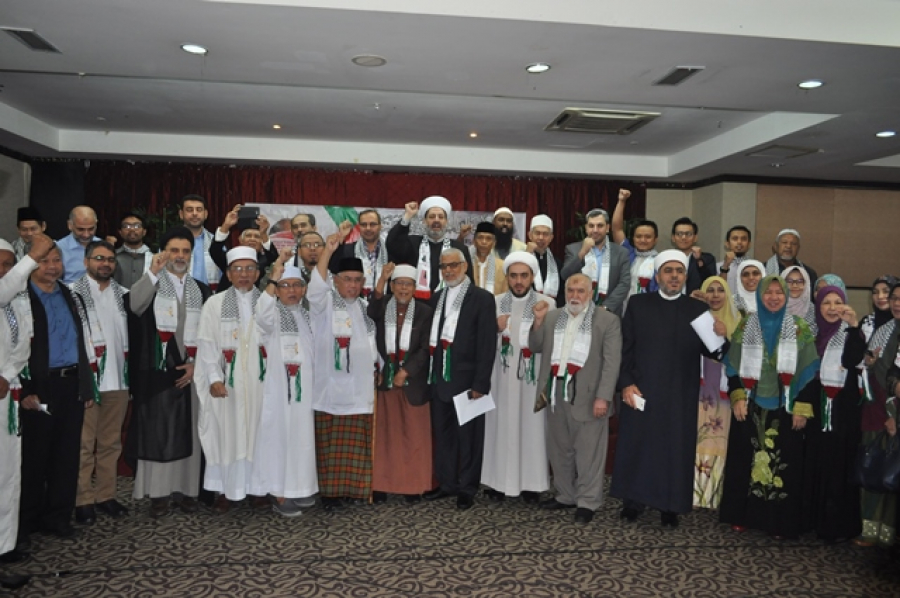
786	248
515	453
229	374
425	251
658	424
546	278
505	226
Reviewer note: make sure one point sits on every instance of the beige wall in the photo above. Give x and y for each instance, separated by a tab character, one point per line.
15	183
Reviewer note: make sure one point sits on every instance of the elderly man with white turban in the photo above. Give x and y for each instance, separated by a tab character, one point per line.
660	384
546	277
515	455
229	374
424	252
786	248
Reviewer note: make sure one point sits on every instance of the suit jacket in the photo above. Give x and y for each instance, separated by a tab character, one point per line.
619	275
697	274
597	379
416	363
474	347
403	248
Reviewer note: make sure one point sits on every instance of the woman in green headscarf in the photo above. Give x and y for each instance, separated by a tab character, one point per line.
771	360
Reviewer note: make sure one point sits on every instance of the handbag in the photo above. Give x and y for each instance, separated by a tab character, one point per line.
868	471
891	470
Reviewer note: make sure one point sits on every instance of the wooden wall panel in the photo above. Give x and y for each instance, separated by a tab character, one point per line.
809	210
866	241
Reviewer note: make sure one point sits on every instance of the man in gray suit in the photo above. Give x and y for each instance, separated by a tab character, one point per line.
607	265
582	349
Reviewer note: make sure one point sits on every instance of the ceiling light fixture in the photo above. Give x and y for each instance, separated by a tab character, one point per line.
810	84
369	60
885	134
276	126
194	49
537	68
473	134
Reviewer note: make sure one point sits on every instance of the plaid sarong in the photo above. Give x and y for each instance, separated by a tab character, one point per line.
344	455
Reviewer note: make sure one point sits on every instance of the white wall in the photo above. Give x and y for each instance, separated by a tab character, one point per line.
15	186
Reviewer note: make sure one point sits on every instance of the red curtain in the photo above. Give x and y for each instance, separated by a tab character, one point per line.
114	187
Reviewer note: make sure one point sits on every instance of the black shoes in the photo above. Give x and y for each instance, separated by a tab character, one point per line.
112	507
412	499
552	504
629	514
13	556
436	494
668	518
187	504
159	507
464	502
379	498
494	495
331	503
14	582
583	516
530	497
61	530
85	515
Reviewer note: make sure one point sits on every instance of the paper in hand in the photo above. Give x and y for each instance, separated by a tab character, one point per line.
703	326
468	409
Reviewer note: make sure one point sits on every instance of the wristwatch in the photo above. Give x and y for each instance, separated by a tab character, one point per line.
275	282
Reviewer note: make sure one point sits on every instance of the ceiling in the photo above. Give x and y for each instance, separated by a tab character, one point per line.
121	87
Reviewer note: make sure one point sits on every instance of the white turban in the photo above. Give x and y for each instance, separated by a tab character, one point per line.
5	246
503	211
670	255
435	201
521	257
787	231
291	271
241	253
403	271
542	220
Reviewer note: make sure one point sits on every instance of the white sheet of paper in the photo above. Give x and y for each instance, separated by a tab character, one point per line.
639	402
468	409
703	326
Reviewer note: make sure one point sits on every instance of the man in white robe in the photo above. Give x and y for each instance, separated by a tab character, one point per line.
345	358
285	454
229	376
15	348
515	453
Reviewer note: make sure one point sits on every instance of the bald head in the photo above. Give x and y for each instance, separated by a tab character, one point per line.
83	224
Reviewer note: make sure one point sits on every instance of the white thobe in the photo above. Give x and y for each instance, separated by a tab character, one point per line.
15	280
340	392
12	360
228	425
285	454
515	453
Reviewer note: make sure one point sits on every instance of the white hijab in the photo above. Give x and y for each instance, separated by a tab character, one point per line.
748	298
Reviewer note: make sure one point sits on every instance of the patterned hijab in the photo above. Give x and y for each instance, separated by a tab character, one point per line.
770	322
831	280
728	313
826	329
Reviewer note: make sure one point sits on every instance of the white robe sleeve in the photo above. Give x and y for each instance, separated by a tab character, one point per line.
266	314
208	370
17	358
318	293
15	280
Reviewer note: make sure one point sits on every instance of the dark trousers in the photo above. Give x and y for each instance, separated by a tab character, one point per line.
50	458
458	450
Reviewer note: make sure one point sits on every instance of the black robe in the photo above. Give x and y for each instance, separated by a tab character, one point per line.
656	447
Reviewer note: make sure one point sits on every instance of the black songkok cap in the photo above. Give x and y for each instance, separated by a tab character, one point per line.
350	264
176	232
28	213
486	227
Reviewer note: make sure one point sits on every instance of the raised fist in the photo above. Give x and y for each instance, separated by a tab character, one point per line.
387	270
531	247
41	245
502	321
412	208
540	310
624	194
465	230
344	229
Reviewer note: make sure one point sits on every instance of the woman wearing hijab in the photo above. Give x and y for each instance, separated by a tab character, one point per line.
771	360
832	437
879	410
829	280
714	414
799	302
881	314
749	273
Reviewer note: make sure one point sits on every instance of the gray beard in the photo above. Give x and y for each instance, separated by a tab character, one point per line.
436	235
575	310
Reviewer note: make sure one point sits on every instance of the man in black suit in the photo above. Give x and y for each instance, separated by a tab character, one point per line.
463	339
701	265
257	238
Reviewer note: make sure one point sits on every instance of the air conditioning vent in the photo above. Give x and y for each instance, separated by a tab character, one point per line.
783	152
600	122
32	39
677	75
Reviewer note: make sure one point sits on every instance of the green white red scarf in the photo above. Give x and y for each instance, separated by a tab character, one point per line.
165	311
752	355
230	332
525	367
598	273
397	355
82	286
342	329
446	334
578	353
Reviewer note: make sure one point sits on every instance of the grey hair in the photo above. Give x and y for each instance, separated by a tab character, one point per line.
453	251
597	212
580	276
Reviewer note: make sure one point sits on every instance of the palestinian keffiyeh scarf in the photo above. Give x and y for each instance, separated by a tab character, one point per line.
372	264
831	373
490	269
82	286
165	310
230	332
642	271
423	269
578	353
525	366
18	308
598	273
290	346
342	329
397	355
446	334
88	345
549	287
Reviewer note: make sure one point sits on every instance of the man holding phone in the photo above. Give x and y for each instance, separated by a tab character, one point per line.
254	233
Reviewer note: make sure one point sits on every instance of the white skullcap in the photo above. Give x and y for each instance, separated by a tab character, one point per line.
542	220
291	271
503	211
241	253
787	231
5	246
521	257
403	271
435	201
670	255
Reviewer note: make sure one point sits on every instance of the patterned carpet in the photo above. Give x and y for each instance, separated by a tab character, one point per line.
435	550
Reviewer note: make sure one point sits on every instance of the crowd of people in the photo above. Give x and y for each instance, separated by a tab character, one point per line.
357	365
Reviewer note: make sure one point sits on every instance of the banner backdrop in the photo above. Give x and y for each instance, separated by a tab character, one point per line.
329	217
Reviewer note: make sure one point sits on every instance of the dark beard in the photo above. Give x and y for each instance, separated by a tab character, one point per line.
736	254
504	240
518	296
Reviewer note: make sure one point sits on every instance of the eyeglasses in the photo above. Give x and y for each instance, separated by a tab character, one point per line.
239	269
315	245
132	226
795	282
99	259
450	265
684	233
291	285
403	283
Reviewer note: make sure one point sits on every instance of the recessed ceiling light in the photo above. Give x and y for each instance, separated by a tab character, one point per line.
810	84
537	68
370	60
276	126
473	134
884	134
194	49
